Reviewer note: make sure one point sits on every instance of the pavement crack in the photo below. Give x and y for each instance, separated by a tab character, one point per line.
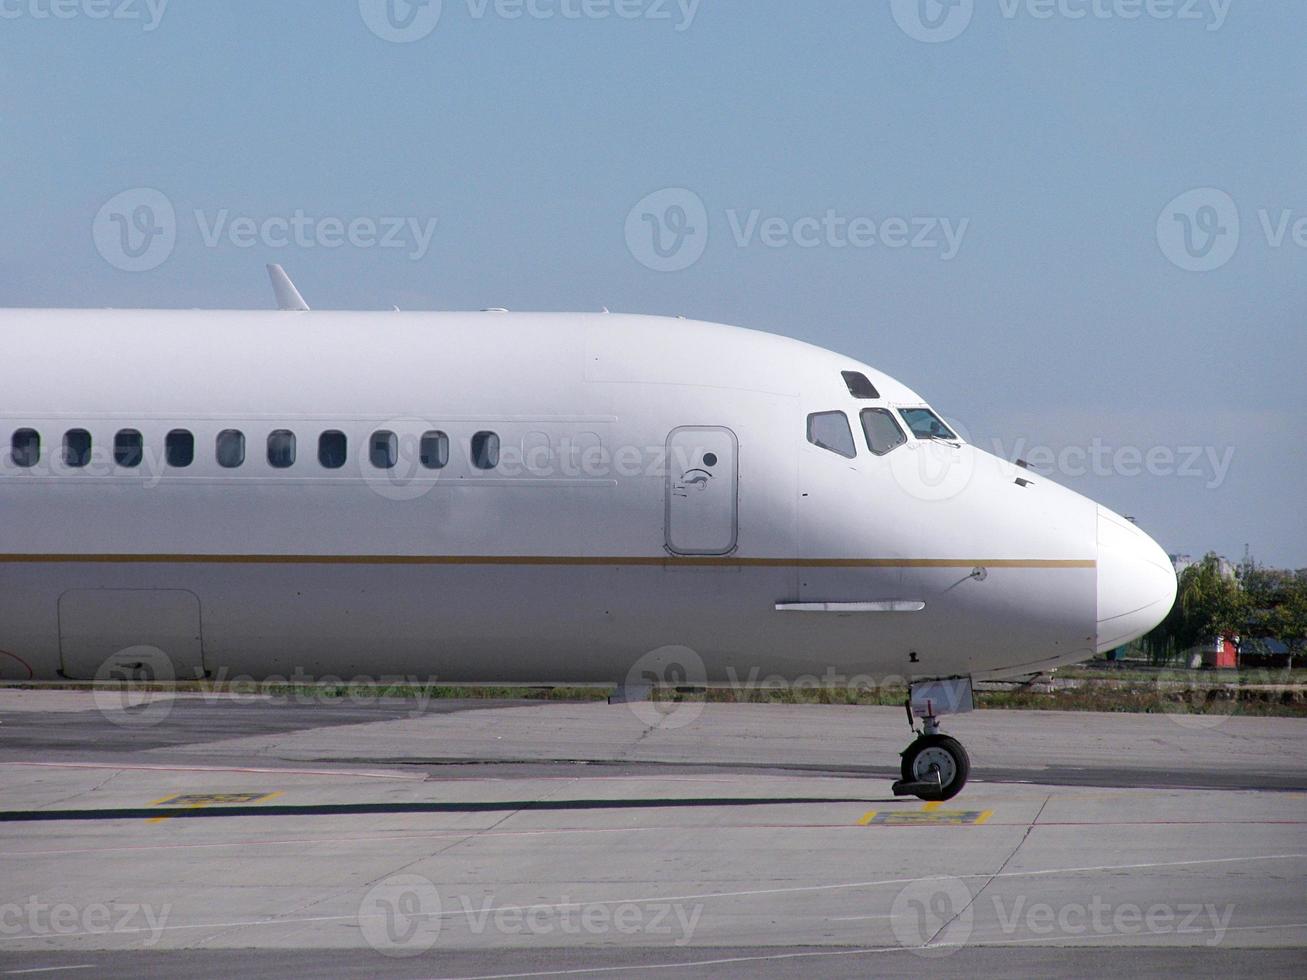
82	792
990	880
466	838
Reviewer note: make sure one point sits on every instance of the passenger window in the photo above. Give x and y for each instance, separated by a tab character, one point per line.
179	448
333	450
485	450
128	449
830	430
925	424
434	450
884	435
231	449
281	449
25	448
384	450
860	385
77	448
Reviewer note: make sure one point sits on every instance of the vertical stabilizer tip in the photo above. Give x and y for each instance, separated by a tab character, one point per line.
288	297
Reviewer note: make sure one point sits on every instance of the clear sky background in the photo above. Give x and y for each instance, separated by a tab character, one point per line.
1064	328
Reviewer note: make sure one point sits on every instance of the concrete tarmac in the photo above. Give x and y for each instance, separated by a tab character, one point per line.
221	836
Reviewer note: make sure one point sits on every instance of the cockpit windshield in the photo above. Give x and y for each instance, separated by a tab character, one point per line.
925	424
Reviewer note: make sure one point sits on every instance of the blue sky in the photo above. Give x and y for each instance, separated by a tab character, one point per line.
1062	319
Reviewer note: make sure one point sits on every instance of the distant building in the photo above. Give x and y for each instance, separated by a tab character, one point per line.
1222	653
1265	651
1226	567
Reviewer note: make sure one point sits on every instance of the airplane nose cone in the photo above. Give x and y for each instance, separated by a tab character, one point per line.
1136	582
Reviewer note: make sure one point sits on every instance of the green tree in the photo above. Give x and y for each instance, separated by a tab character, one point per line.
1276	604
1291	617
1207	605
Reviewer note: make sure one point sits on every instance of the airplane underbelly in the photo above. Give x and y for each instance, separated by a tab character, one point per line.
546	623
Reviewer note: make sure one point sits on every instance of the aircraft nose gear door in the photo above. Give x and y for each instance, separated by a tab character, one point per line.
702	493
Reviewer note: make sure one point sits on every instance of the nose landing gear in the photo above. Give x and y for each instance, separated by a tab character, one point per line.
935	766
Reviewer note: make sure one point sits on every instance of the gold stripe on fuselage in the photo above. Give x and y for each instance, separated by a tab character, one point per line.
546	560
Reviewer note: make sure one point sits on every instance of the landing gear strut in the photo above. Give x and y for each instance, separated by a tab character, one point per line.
935	766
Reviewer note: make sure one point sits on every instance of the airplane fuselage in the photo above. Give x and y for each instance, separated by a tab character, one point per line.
518	498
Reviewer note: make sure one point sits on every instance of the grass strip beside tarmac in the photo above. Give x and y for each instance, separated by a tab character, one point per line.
1089	687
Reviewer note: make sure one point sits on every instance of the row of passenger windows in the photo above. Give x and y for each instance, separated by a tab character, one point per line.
831	430
230	449
828	430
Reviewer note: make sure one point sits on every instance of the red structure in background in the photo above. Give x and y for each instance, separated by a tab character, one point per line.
1223	653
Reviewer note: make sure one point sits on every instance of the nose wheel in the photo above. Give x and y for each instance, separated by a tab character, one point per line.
935	768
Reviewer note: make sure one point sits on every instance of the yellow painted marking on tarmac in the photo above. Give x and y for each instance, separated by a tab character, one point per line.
214	799
930	815
197	801
939	818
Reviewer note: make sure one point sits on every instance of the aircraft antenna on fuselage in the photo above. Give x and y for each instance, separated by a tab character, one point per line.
288	297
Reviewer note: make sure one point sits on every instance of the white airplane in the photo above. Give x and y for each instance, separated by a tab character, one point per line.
498	498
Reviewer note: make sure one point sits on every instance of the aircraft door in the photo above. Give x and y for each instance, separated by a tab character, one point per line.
702	491
141	634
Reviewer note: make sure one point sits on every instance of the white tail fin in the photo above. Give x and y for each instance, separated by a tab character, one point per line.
288	297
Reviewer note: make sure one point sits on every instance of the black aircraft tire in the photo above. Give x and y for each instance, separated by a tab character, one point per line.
943	751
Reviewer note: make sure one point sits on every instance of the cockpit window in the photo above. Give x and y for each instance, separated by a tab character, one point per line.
860	385
925	424
830	430
884	434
